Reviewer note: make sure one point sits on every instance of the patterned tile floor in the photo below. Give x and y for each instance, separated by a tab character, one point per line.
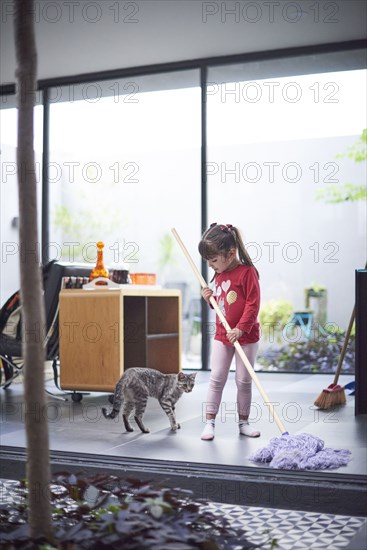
293	530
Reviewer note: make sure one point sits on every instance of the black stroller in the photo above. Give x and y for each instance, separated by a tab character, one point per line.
55	274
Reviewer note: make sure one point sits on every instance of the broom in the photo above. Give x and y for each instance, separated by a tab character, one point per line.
236	344
334	394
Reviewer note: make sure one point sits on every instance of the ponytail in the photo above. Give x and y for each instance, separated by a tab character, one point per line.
243	255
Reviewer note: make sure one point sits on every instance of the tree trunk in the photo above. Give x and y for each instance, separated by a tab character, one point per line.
38	465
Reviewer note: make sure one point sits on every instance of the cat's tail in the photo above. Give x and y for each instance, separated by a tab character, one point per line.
110	415
116	404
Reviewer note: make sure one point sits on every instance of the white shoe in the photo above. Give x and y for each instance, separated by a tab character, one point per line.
245	429
208	432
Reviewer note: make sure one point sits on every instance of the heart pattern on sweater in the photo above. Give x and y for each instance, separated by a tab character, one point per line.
226	285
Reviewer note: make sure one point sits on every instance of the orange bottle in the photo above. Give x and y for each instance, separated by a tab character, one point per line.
99	270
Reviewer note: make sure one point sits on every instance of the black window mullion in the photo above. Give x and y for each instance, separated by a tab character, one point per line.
45	220
204	215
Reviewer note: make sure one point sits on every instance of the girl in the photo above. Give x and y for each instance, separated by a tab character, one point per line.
237	293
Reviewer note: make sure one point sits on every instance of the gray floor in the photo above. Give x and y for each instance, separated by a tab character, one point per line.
80	427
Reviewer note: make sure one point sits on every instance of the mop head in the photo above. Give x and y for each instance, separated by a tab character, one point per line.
301	452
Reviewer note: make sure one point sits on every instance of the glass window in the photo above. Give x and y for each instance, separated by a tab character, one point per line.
280	135
9	206
125	169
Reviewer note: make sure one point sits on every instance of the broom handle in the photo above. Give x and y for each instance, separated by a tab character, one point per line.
237	345
345	344
344	348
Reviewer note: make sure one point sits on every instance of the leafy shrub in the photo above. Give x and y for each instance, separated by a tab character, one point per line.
316	355
274	315
107	512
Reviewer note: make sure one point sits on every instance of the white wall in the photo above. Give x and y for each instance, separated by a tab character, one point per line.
295	240
10	250
9	267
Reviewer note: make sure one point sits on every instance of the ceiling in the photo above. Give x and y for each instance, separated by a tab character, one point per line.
78	37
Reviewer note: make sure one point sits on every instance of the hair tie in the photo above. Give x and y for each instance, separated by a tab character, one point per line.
226	228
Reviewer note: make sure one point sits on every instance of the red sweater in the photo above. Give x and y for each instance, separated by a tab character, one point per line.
237	293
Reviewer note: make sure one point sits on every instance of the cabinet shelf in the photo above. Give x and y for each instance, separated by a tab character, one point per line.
162	336
106	331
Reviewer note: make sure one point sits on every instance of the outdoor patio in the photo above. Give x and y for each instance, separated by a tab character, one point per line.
81	440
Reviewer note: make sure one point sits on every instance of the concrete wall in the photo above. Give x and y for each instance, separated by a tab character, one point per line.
293	239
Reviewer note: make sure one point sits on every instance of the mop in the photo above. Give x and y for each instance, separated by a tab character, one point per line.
299	452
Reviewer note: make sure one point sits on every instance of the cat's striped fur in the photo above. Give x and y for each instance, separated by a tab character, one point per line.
137	384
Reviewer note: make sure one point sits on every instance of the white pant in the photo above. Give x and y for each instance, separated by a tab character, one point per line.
221	360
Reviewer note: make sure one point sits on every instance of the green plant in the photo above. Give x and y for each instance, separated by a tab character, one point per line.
113	513
80	228
275	314
166	251
318	354
316	288
196	327
338	193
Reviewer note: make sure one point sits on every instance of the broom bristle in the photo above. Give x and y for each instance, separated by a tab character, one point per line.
333	396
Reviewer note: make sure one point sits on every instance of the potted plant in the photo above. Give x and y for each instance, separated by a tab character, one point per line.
316	301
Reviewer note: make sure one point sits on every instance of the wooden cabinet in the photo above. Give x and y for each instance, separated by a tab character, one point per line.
105	331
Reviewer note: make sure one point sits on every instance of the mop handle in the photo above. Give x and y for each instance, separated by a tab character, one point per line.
227	327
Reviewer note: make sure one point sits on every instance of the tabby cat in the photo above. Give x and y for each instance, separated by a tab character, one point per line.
137	384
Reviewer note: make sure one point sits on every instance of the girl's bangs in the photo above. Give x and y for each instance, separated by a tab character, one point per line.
208	249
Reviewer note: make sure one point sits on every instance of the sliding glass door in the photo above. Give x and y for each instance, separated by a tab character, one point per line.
285	164
124	169
9	208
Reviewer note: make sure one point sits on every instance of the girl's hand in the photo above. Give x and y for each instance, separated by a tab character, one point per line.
206	294
234	335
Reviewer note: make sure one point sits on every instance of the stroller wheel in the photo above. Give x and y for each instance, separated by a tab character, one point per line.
76	397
